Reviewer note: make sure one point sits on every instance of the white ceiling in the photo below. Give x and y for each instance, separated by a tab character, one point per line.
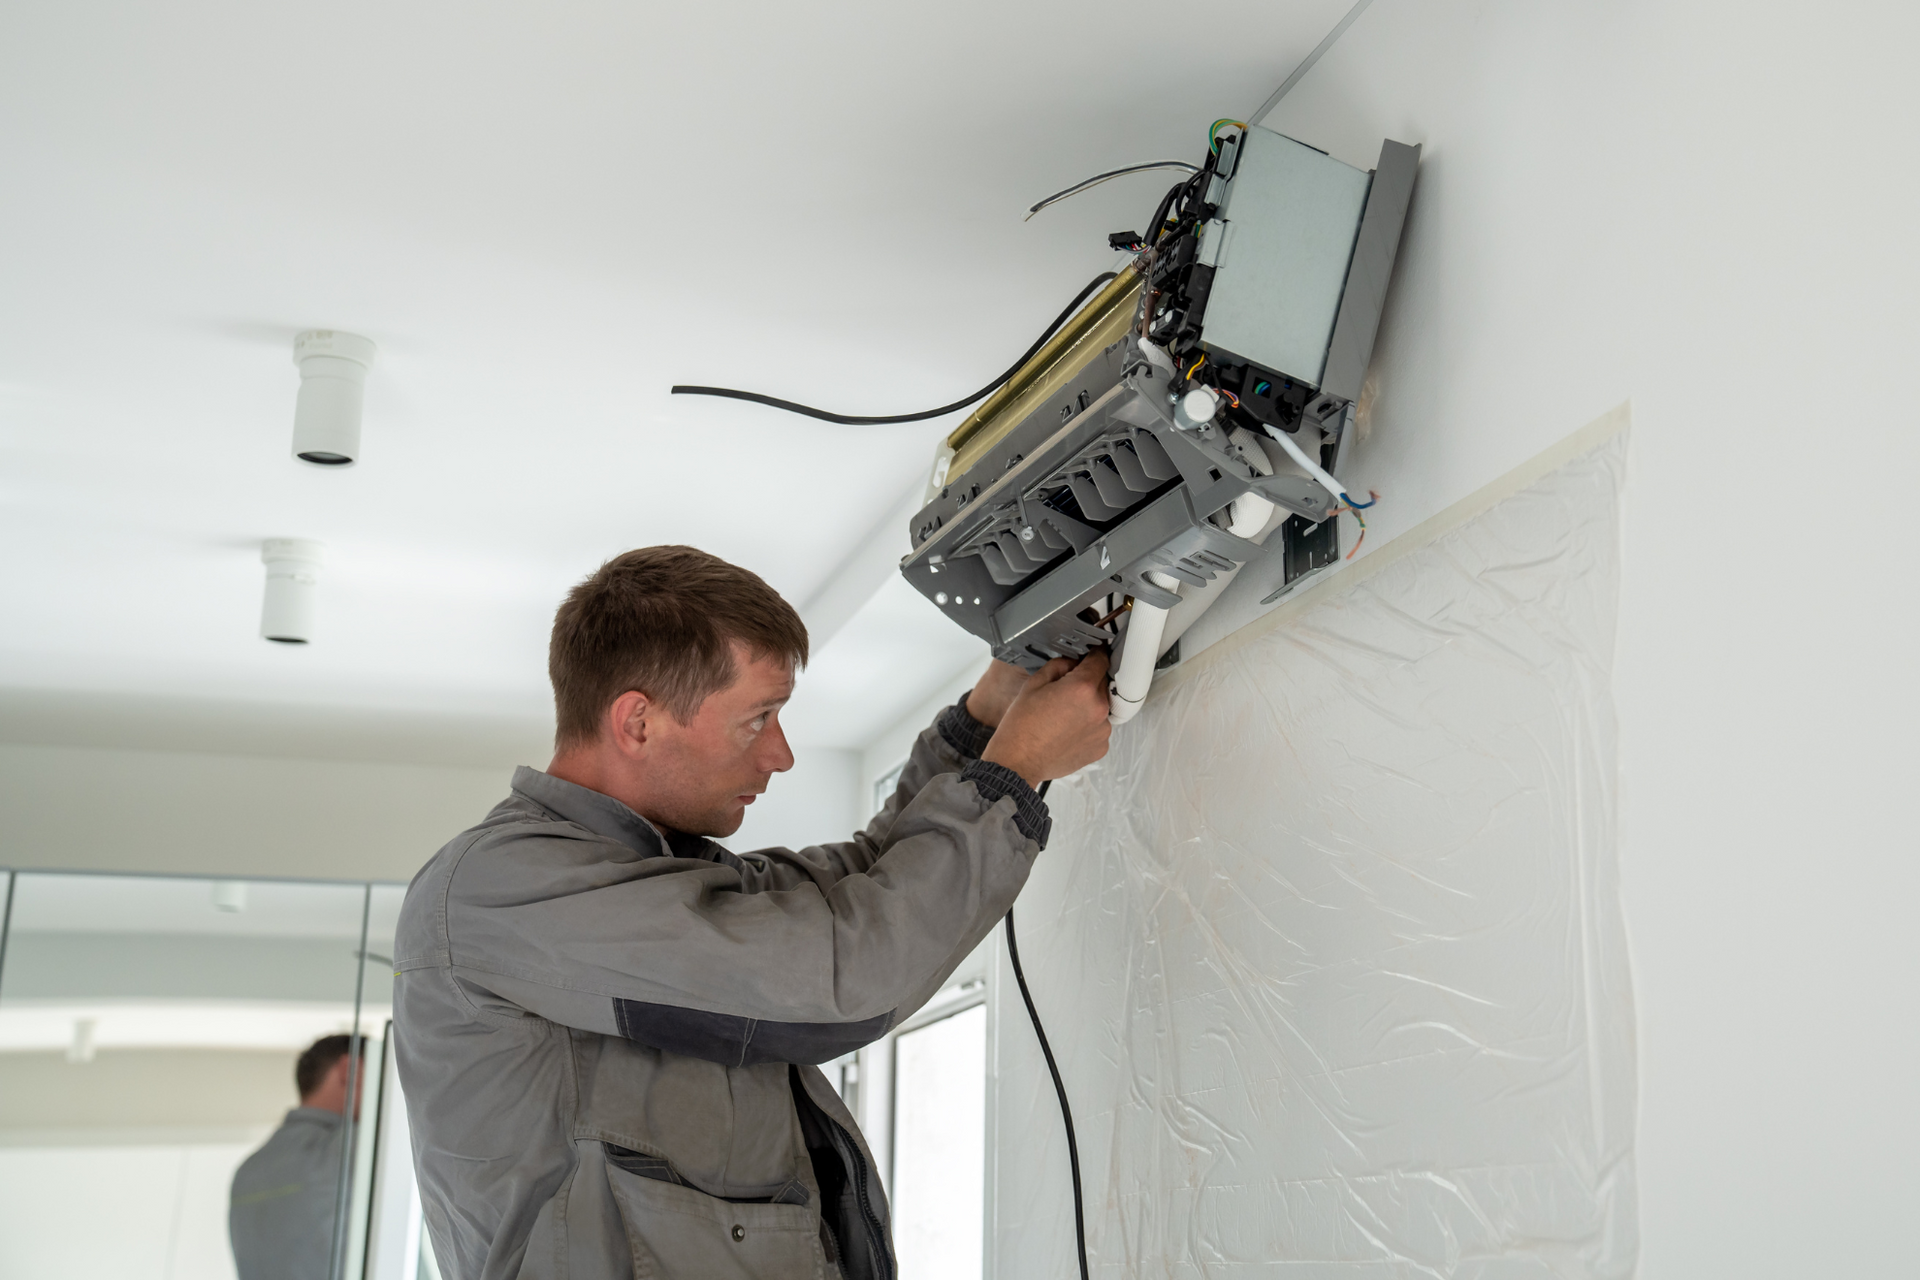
545	215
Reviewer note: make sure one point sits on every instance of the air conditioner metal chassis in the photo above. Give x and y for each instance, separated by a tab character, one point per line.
1106	455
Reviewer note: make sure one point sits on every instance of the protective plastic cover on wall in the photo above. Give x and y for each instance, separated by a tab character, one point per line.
1331	942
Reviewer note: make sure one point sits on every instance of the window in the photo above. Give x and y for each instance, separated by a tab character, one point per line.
843	1073
884	784
939	1145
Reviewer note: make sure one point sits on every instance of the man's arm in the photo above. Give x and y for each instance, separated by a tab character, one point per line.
682	958
955	740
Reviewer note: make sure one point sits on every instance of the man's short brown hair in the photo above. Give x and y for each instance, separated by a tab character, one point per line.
318	1059
661	620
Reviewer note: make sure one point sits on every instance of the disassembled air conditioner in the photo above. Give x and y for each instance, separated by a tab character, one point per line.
1191	412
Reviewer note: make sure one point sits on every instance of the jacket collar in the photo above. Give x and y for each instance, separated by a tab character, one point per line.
600	814
605	816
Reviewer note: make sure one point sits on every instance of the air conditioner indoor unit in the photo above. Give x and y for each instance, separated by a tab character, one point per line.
1190	414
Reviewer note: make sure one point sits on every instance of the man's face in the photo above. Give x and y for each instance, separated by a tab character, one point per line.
704	774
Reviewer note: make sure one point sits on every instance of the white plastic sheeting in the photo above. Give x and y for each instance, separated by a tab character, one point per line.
1330	946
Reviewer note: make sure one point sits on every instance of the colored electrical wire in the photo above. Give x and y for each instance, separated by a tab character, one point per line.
1196	364
1213	133
1360	520
1108	176
857	421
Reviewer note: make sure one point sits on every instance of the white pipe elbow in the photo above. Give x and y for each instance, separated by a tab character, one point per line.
1133	678
1248	514
1146	623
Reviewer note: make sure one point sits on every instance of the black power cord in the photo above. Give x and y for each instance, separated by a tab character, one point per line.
856	421
1059	1086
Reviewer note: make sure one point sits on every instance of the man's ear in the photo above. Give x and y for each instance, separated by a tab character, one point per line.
627	720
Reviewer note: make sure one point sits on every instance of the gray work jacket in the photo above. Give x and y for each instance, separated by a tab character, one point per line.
280	1213
604	1029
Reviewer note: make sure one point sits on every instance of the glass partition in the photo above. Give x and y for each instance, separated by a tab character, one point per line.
152	1124
381	1233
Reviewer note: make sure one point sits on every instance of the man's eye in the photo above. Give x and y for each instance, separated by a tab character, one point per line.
758	723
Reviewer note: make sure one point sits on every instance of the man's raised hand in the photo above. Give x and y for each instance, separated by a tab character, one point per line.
994	692
1057	724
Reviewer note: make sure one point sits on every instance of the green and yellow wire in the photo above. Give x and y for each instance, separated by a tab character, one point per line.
1360	519
1213	133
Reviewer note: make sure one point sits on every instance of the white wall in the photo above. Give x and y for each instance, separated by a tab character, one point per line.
92	809
159	1131
1704	207
1330	944
99	809
167	1215
117	782
127	1095
892	745
280	791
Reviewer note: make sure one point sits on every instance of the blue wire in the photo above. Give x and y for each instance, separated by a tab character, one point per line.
1357	506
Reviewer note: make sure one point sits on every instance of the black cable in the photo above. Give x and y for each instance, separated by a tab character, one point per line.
1059	1086
1160	215
852	420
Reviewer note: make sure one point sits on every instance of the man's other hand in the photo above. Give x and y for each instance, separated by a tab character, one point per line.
1057	724
994	692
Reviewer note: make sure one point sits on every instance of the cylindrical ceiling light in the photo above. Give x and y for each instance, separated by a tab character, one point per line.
293	580
333	383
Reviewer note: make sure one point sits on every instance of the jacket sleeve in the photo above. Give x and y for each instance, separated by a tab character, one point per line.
951	745
679	953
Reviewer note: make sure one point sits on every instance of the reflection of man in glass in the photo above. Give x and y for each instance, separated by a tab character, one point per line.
281	1216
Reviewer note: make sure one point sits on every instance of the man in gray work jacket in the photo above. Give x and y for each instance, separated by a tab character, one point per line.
605	1021
280	1213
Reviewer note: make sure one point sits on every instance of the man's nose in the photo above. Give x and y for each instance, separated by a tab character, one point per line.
775	755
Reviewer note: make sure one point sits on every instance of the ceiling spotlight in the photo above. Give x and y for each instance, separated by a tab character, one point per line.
293	580
82	1047
333	383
